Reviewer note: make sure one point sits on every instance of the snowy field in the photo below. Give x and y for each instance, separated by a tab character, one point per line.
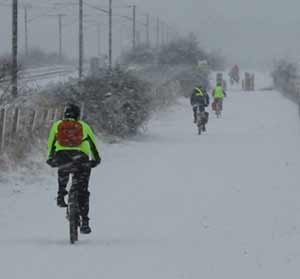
42	76
174	205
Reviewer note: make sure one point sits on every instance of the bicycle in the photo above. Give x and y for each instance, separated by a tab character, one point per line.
73	211
202	119
217	107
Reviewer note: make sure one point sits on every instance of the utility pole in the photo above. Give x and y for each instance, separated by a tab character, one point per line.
110	35
138	37
167	34
162	33
121	39
14	66
133	26
80	39
99	39
148	30
26	28
157	33
60	36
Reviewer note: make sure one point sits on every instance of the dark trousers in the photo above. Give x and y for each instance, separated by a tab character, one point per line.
75	164
195	109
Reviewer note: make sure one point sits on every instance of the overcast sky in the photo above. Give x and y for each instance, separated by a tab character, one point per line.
248	32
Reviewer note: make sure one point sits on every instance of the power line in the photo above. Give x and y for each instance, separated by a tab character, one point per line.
97	8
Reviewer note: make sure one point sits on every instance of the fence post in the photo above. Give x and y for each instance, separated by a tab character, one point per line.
45	116
2	128
49	116
62	113
16	121
34	119
55	117
52	115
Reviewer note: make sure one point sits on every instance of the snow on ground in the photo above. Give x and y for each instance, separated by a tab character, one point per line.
43	76
172	204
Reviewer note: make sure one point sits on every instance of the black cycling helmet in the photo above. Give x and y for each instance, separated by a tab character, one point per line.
72	111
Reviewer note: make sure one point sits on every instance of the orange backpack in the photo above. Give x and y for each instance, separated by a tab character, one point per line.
70	133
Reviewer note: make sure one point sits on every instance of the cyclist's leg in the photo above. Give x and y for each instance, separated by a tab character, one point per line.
195	113
201	108
216	105
219	104
81	182
64	160
63	179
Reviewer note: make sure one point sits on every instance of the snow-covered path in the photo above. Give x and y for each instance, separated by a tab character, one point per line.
172	204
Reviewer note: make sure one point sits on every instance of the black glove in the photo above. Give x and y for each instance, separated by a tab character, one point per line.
95	163
52	163
49	162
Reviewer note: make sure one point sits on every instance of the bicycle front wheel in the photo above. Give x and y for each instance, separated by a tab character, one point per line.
73	212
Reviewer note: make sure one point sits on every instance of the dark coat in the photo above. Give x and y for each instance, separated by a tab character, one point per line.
201	100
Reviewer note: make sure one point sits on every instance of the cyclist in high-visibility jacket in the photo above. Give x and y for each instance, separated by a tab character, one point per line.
71	143
199	100
219	94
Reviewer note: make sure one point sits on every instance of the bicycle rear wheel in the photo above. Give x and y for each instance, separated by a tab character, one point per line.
199	129
199	123
218	110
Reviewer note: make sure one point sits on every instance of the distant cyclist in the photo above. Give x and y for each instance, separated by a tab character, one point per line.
234	74
199	101
218	95
71	143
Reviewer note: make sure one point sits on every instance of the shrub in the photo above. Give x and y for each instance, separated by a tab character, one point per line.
142	54
184	51
116	103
